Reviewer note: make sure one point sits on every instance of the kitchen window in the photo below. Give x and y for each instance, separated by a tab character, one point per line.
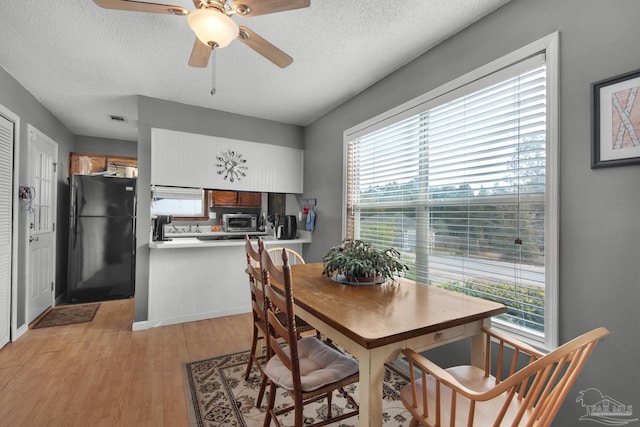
177	201
462	182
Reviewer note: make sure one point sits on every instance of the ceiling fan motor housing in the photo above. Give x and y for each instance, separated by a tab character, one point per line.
213	27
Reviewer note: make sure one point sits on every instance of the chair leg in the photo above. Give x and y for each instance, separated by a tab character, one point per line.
329	396
254	344
299	411
270	405
263	386
414	422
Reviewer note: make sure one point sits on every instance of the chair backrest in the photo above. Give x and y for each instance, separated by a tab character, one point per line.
529	396
276	255
275	277
255	279
542	385
550	377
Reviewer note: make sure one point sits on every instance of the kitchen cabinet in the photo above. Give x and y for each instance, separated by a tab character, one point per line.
223	198
98	162
232	199
101	162
182	159
249	199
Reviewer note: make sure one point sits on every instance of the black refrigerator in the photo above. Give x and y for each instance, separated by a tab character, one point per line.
102	225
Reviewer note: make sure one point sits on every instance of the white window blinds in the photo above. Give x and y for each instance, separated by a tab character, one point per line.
459	189
177	201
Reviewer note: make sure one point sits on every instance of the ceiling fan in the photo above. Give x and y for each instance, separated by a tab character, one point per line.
214	28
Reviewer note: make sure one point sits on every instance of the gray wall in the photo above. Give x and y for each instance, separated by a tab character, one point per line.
599	232
171	115
114	147
17	99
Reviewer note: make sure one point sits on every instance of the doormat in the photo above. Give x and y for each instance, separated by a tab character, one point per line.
67	315
218	395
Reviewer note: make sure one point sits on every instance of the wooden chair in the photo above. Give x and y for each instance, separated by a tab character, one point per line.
471	396
307	368
259	317
294	257
258	313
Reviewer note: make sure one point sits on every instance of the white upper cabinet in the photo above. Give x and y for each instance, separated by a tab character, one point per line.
191	160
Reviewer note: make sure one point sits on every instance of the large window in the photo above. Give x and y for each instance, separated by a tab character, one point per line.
460	184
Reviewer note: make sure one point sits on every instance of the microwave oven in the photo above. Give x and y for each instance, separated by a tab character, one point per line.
239	222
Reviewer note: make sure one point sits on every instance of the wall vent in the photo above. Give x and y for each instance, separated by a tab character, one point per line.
117	118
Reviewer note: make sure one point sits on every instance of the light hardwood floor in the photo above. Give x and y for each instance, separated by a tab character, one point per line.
101	373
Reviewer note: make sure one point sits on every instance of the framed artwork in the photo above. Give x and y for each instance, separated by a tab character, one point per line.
615	121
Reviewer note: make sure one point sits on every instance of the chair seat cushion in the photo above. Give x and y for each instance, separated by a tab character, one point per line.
319	365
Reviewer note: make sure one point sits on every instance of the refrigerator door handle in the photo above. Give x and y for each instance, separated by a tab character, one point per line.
74	213
74	200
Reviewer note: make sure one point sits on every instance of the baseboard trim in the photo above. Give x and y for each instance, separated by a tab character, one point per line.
20	332
154	323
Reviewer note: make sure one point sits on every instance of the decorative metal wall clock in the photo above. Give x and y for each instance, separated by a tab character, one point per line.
231	165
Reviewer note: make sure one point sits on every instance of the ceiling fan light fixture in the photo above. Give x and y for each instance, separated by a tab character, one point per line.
212	27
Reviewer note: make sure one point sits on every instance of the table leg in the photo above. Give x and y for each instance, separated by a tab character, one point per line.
371	380
478	347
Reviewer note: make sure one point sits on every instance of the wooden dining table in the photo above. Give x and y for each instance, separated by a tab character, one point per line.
375	322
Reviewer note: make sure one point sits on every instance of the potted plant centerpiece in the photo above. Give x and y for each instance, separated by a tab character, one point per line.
358	262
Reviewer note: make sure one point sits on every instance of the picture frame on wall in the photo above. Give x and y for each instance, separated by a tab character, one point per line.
615	121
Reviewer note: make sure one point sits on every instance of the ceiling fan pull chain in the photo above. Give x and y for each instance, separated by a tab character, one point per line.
213	71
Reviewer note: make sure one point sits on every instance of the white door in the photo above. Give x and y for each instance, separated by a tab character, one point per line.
43	153
6	235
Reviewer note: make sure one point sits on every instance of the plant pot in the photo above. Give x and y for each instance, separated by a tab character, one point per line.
369	280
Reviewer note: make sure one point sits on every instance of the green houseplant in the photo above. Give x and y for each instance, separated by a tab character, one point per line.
360	262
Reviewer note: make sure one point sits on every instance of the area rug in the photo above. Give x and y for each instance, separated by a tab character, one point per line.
67	315
218	395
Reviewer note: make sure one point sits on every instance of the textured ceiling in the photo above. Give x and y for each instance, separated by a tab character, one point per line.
84	63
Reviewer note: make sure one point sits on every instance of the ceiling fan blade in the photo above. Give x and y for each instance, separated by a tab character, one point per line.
264	48
139	6
200	54
262	7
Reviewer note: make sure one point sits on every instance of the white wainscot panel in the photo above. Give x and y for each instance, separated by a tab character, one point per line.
190	160
189	284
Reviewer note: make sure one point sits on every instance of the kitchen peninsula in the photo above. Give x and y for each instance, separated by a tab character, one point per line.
191	279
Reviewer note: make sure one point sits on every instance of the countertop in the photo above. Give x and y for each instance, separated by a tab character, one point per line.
194	242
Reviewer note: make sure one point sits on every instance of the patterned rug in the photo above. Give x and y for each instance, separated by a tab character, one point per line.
67	315
218	395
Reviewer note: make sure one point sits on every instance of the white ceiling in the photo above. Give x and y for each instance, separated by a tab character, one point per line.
84	63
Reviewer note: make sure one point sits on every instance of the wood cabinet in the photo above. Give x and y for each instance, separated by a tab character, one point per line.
246	199
223	198
101	162
98	162
249	199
